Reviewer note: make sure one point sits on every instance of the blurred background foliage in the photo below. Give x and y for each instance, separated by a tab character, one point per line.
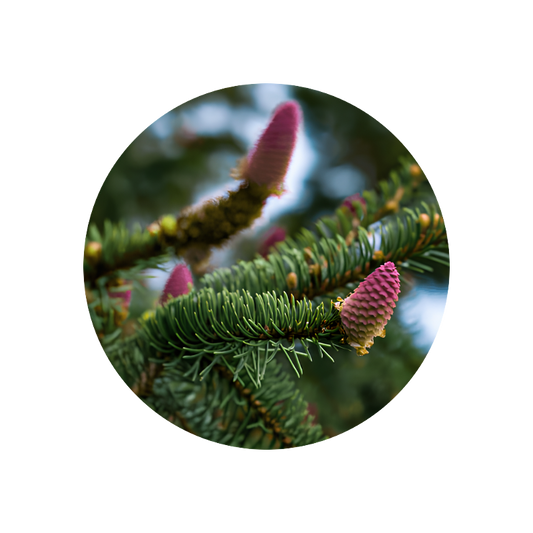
188	153
185	157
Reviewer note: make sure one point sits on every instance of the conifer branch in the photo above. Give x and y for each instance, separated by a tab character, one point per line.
241	331
235	412
311	265
207	359
209	225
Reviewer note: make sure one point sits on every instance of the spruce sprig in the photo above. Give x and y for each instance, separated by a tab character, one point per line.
311	265
218	407
242	332
207	360
235	413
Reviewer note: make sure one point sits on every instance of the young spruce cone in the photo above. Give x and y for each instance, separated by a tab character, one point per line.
179	282
367	310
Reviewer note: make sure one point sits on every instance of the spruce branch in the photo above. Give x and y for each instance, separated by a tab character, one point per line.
311	265
406	185
211	224
344	248
207	359
245	332
232	412
241	331
280	418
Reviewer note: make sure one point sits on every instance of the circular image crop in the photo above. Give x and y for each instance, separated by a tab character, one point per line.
266	266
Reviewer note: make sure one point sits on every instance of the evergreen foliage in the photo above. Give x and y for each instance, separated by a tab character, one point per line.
214	361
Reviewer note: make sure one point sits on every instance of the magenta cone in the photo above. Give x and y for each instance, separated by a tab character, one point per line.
273	236
367	310
348	202
125	296
269	160
178	283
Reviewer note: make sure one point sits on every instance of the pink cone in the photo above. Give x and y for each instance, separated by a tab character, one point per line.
178	283
271	237
269	160
348	202
367	310
312	411
125	296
